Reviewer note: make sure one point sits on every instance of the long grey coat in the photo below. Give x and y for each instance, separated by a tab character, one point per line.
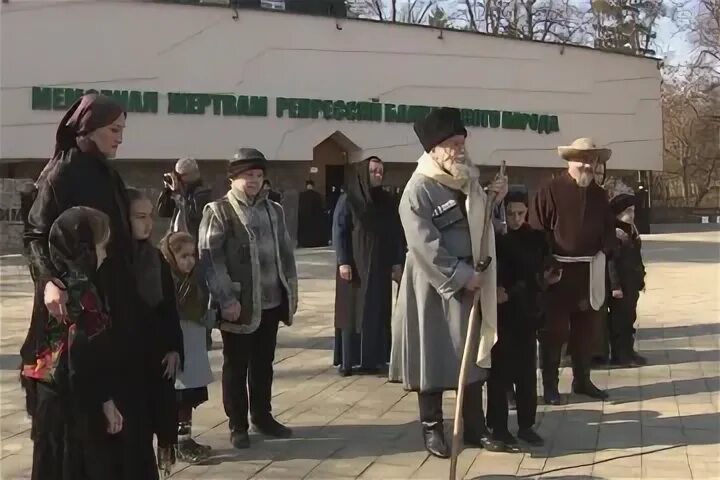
432	313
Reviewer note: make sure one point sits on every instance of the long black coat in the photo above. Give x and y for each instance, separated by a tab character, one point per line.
371	256
312	220
80	179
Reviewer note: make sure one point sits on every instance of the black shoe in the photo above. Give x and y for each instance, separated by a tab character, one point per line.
240	439
623	362
530	436
272	428
434	438
639	359
583	386
507	439
345	372
551	395
484	440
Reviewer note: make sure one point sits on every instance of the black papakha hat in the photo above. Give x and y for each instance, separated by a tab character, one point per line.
439	125
246	159
620	202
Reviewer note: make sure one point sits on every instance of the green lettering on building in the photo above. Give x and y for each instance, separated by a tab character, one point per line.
229	105
134	101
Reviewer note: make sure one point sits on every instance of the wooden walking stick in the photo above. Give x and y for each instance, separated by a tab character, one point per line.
472	333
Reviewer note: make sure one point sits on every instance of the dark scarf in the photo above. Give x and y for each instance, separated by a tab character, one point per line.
367	203
73	252
147	272
191	299
72	244
87	114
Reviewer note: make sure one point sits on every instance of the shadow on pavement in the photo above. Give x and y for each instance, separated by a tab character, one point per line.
660	333
622	430
306	343
622	395
9	362
617	431
676	356
322	442
665	251
548	474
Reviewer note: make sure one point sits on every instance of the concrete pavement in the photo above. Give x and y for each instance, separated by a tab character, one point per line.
661	421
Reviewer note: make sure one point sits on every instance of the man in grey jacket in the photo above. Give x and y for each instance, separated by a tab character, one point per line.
249	262
435	298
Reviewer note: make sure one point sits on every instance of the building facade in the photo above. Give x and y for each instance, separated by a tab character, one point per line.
313	93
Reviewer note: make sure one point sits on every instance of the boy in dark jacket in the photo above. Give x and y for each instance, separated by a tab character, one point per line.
523	274
626	273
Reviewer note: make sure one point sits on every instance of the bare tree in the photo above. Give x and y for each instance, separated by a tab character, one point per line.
691	126
707	34
374	9
626	25
544	20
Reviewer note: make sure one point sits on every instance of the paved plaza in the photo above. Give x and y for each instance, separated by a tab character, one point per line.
661	421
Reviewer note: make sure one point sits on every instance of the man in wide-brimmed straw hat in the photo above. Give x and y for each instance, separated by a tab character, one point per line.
573	209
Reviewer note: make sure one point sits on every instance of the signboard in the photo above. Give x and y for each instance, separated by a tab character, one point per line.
229	105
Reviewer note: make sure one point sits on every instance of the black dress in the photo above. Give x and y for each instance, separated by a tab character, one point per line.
312	220
366	236
76	178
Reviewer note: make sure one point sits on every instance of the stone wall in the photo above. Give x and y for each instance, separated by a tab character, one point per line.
11	225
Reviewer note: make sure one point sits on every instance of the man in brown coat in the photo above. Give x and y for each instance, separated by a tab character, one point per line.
573	210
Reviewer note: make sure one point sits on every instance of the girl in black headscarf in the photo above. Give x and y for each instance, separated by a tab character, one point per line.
75	412
79	174
367	241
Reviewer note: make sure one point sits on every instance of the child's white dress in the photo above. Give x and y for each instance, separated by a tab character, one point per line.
196	372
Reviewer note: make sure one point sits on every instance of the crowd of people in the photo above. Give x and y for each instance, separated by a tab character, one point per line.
116	354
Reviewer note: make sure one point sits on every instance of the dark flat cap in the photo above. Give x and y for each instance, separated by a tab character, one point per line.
439	125
246	159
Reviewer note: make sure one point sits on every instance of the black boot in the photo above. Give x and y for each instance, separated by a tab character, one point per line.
582	385
551	363
434	437
271	427
240	439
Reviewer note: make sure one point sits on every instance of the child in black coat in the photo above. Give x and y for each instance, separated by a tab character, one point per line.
165	340
70	377
626	273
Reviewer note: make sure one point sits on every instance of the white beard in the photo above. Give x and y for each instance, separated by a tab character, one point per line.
585	179
460	171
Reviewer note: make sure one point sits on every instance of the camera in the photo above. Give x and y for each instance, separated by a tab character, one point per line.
168	177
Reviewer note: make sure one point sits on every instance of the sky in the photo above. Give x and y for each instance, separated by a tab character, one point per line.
672	44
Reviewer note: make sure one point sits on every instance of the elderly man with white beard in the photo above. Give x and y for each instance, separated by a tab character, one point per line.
573	210
443	213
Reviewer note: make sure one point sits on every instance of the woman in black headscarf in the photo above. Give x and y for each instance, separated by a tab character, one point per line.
367	241
79	174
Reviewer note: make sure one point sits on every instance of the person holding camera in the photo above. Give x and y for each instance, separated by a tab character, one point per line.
184	197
